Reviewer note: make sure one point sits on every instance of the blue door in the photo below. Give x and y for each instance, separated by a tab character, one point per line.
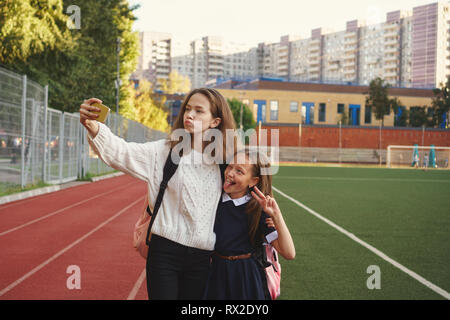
444	121
308	112
261	110
354	112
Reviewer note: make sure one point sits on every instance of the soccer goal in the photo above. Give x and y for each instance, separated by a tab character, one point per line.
411	156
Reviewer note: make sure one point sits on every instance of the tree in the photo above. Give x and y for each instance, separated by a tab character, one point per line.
142	107
31	27
344	118
176	83
248	121
75	63
378	99
417	116
441	104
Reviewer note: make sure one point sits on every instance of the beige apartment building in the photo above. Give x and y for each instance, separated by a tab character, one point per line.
410	49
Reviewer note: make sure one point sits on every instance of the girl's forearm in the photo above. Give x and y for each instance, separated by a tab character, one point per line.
285	243
92	127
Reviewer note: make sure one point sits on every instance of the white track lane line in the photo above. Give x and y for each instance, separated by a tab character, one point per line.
363	179
60	210
46	262
37	197
411	273
137	286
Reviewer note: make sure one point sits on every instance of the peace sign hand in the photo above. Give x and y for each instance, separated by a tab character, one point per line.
268	204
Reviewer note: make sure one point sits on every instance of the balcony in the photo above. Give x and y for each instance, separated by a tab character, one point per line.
350	35
313	50
314	42
391	49
349	71
391	33
389	64
314	69
391	41
333	67
313	62
349	49
350	55
349	63
390	74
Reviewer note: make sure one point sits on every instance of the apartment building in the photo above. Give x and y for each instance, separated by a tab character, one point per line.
154	61
430	44
409	49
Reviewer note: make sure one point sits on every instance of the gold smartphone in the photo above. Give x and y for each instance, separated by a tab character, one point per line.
103	114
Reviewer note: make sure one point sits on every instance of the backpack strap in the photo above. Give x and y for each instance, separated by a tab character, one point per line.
169	169
222	167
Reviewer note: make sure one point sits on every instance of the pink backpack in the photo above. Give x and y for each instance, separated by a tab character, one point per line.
273	272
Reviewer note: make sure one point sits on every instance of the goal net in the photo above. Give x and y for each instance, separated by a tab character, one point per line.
415	156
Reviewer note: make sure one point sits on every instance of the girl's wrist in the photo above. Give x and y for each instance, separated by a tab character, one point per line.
277	218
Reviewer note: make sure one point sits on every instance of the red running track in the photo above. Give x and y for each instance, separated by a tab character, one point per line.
89	226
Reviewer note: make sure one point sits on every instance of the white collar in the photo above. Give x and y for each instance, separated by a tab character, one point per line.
237	202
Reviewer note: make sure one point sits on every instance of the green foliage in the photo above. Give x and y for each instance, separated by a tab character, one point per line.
176	83
31	27
248	121
441	103
143	107
417	116
344	118
76	63
379	101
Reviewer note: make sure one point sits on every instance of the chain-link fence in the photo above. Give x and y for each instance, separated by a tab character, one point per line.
38	143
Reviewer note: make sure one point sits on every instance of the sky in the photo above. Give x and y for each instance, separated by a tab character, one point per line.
254	21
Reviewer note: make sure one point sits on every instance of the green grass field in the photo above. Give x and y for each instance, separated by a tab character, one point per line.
405	214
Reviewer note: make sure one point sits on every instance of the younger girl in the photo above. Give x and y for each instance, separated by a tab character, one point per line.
244	213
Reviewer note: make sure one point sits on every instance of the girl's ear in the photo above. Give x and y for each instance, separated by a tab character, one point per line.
215	122
253	182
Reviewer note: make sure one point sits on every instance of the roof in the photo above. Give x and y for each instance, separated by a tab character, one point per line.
262	84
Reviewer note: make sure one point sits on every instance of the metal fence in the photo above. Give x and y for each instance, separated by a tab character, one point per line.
38	143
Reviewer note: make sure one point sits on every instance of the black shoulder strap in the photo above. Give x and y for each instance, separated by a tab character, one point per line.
222	167
169	169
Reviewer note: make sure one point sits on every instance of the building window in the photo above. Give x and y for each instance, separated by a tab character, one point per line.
274	110
340	108
368	115
294	106
322	112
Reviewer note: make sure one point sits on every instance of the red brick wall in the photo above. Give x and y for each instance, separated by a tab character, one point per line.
364	138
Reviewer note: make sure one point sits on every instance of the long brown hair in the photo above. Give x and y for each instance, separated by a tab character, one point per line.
219	109
260	164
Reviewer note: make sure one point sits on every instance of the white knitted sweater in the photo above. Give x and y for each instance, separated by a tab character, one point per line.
188	209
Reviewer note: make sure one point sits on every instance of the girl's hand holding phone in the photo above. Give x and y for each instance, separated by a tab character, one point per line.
88	113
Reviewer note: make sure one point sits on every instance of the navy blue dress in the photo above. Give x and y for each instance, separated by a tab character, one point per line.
238	279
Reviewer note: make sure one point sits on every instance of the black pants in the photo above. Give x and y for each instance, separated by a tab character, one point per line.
175	271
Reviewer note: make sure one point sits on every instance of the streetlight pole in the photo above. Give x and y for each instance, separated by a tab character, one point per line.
340	140
118	76
242	110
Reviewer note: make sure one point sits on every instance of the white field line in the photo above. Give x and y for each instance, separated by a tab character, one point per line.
60	210
362	179
46	262
137	285
411	273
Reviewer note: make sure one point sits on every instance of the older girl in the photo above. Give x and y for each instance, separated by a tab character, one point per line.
182	234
